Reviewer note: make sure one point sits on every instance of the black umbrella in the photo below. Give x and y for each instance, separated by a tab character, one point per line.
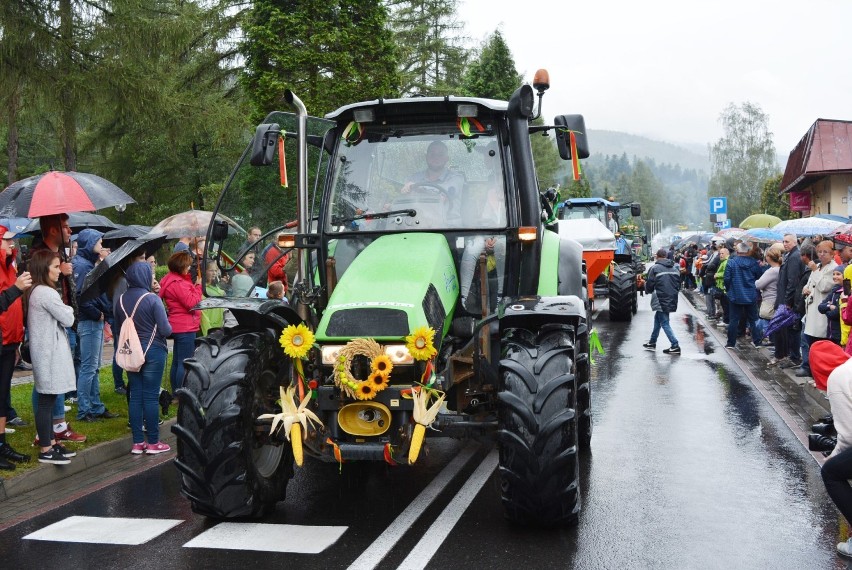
114	238
78	221
60	193
99	278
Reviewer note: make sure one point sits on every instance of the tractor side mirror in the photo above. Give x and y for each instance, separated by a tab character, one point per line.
220	231
263	144
577	125
635	210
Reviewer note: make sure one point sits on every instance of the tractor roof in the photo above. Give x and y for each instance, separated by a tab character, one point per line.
418	105
590	201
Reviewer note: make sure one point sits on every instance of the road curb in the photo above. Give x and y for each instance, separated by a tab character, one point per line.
87	458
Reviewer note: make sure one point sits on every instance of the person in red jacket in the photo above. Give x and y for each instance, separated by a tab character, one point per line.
181	295
12	331
277	263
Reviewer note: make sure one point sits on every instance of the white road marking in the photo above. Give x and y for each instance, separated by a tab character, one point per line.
104	530
433	538
374	554
301	539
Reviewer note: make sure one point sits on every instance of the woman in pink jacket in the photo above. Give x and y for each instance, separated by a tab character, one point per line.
181	295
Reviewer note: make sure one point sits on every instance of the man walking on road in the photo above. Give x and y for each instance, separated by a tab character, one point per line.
663	283
740	274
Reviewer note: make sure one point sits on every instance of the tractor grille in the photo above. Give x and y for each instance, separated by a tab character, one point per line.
368	323
433	308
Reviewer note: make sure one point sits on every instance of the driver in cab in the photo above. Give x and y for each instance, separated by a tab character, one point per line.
437	176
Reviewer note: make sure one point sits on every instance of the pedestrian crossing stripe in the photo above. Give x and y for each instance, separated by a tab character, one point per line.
268	537
104	530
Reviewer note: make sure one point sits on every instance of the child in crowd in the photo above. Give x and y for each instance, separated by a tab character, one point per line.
275	290
830	306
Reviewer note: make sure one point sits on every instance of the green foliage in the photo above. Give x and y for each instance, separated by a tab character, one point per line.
743	159
771	201
432	56
328	52
577	188
492	72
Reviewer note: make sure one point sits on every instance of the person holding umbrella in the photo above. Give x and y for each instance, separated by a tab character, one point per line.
90	330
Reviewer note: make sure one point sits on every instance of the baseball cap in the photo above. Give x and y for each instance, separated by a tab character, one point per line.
7	233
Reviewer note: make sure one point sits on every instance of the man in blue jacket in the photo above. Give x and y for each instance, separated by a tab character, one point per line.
663	283
90	330
740	274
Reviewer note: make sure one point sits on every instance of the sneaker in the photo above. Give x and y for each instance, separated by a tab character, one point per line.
145	428
650	346
89	418
10	430
7	465
121	391
70	401
9	453
138	448
64	451
53	456
731	346
107	415
23	365
67	409
17	422
788	363
802	373
844	549
69	435
155	448
672	350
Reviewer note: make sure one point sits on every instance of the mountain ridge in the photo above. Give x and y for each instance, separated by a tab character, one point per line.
616	143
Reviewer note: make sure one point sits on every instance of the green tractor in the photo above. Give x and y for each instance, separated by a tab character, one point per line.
426	298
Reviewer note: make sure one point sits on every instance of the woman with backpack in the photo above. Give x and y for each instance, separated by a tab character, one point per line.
152	328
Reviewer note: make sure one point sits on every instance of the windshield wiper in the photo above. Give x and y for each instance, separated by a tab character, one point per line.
374	216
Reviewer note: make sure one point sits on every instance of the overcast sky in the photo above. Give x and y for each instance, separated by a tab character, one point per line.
666	69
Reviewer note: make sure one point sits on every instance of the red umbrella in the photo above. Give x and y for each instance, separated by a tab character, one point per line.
60	193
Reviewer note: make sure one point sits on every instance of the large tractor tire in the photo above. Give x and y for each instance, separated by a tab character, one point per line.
622	296
582	375
227	469
537	436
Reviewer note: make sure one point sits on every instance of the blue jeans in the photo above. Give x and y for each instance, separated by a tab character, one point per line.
661	320
737	311
184	347
144	395
91	335
75	355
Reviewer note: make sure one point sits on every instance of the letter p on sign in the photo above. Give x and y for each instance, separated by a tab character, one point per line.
719	205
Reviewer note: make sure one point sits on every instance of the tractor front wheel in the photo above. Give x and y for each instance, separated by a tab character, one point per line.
227	468
538	427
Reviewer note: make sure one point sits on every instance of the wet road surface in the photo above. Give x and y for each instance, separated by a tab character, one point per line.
690	468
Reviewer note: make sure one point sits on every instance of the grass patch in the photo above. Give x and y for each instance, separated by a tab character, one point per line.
96	432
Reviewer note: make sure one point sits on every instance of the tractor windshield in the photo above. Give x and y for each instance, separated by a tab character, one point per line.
583	211
417	177
258	205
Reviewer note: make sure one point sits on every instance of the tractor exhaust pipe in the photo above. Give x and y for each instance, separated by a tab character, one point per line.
302	184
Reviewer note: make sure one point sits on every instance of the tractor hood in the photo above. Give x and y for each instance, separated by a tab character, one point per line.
590	232
398	283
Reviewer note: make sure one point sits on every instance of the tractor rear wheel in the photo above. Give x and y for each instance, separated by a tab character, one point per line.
582	375
227	469
537	436
622	295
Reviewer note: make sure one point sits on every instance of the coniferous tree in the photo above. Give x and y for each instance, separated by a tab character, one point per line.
328	52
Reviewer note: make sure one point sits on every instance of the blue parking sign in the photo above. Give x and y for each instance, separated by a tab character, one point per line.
719	205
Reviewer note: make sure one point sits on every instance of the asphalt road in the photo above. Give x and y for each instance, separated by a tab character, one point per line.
690	468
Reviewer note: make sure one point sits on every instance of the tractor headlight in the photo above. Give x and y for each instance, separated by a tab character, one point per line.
330	354
398	353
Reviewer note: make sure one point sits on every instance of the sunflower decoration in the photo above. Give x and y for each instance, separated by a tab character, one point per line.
380	366
419	343
296	340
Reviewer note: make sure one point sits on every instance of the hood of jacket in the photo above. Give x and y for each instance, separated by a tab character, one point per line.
139	275
665	262
86	241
